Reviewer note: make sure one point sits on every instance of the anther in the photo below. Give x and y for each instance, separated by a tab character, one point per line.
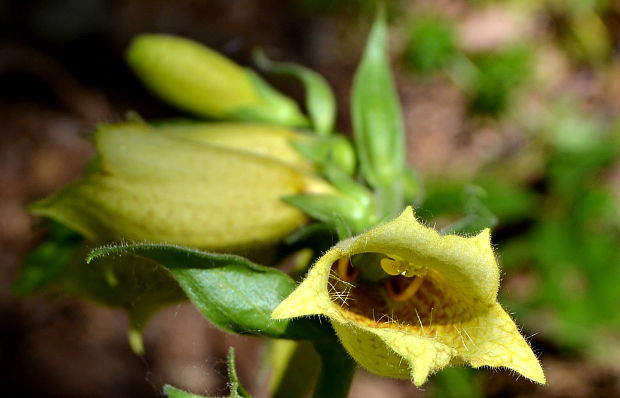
391	267
397	294
347	272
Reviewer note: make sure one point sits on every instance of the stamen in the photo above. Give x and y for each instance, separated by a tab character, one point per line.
347	272
391	267
398	267
395	292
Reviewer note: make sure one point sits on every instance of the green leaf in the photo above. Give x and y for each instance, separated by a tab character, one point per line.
377	120
236	390
319	97
135	284
235	294
342	213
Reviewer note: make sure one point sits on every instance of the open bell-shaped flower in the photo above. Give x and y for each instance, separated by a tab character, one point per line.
211	186
435	306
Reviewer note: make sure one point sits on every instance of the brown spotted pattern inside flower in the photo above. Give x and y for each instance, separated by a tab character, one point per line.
433	304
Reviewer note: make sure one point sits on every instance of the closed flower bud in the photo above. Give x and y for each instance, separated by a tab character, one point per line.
198	79
191	185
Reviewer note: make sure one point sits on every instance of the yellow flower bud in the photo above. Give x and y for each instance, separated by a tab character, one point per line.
436	307
199	80
185	185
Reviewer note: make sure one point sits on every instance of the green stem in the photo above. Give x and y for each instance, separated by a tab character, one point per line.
336	372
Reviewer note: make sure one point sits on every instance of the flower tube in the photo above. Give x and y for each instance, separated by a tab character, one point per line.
434	306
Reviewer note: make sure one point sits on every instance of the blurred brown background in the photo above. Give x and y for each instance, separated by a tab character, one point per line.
62	72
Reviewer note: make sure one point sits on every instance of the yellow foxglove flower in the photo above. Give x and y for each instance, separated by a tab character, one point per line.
186	185
259	139
438	306
198	79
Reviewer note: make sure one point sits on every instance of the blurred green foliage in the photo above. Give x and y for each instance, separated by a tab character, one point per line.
47	261
498	75
558	225
571	243
431	44
456	383
558	229
557	236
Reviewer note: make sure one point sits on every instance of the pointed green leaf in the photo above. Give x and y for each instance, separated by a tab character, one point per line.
377	120
233	293
319	97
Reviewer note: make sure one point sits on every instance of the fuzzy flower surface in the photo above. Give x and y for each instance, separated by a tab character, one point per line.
436	308
215	186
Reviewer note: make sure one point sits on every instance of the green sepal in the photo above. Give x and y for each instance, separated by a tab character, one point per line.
275	107
320	100
351	188
377	119
342	213
336	150
236	389
350	212
235	294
